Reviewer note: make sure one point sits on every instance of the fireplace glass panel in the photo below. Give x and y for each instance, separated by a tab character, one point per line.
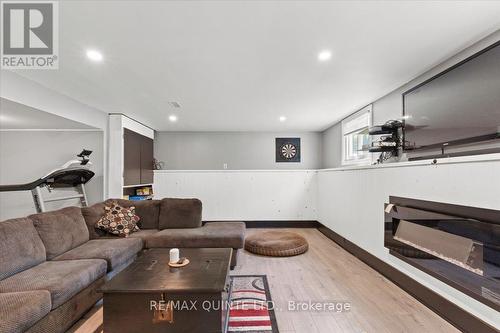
461	250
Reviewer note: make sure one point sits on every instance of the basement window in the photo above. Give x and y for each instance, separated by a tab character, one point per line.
355	137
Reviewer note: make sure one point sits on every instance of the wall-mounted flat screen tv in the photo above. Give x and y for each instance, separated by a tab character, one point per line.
458	106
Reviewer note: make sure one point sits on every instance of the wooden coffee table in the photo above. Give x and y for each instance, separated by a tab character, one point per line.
138	298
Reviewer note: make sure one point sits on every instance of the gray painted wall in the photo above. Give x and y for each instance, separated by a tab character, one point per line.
332	146
29	155
240	150
390	106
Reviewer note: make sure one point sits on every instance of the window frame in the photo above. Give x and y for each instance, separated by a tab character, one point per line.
349	126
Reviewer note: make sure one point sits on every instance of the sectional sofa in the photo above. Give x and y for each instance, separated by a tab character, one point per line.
53	264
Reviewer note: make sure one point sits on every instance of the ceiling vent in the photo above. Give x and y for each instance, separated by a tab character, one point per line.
174	104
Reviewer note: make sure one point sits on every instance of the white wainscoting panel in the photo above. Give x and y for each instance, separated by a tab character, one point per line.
250	195
351	203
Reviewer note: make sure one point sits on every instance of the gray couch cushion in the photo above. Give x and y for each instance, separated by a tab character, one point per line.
179	213
63	279
143	234
21	310
114	251
61	230
20	246
213	234
92	214
61	320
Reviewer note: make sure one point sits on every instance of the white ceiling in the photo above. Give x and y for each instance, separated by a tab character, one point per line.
239	65
15	116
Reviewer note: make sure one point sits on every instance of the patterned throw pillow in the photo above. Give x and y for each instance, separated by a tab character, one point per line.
118	220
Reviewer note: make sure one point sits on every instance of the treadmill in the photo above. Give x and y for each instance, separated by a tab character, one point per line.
73	174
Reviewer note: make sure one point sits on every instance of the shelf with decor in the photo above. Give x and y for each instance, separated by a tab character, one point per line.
138	192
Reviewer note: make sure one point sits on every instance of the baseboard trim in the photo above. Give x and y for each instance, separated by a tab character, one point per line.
277	224
449	311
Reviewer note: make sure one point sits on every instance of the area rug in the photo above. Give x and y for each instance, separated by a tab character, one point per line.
251	308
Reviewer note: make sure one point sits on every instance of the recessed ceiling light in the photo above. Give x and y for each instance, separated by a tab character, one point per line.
282	118
324	55
94	55
172	118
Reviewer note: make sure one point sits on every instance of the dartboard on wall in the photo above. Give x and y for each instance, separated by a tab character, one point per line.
287	149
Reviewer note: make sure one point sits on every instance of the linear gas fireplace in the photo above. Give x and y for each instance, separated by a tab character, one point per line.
459	245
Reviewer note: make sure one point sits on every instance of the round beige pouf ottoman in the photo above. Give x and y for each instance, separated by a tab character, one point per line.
276	243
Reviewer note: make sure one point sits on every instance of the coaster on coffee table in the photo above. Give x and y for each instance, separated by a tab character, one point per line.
186	261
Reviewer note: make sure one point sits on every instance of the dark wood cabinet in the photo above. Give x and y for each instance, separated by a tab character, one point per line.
146	160
138	159
131	158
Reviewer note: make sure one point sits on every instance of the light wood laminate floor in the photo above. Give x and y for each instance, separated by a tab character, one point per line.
327	273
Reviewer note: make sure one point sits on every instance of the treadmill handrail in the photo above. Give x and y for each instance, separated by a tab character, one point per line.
22	187
47	180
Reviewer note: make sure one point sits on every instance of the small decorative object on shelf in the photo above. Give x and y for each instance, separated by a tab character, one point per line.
388	139
144	191
158	165
139	192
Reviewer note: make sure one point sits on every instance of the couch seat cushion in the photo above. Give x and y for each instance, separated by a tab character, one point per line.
20	246
114	251
61	230
213	234
21	310
63	279
143	234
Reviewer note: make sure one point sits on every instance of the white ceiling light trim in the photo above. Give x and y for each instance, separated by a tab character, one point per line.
324	55
94	55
